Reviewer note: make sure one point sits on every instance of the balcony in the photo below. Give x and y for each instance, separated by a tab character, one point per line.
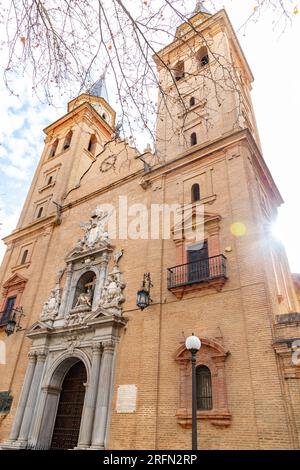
208	272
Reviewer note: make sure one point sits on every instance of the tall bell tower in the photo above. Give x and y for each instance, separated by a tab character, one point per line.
205	83
71	145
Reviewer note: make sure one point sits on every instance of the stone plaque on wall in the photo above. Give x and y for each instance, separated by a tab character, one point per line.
126	399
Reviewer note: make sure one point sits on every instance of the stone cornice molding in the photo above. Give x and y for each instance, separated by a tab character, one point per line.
207	150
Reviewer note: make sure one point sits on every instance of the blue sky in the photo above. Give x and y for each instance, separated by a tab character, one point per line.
273	56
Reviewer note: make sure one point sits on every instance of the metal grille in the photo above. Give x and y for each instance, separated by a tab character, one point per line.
204	389
68	418
197	271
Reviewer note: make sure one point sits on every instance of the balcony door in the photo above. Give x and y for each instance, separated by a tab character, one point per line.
198	263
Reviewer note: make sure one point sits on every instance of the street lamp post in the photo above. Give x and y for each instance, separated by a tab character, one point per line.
193	344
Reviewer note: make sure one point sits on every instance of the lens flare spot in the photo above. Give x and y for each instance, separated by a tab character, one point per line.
238	229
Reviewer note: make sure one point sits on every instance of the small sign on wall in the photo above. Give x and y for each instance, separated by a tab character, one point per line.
126	399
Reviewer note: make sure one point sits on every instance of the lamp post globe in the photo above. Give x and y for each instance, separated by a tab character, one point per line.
193	344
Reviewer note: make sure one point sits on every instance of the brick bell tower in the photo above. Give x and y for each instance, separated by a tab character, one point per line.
71	145
209	148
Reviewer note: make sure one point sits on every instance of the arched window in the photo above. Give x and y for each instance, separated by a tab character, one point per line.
85	290
24	257
193	138
192	101
204	389
179	70
195	192
202	57
50	179
53	148
68	139
92	144
40	211
104	116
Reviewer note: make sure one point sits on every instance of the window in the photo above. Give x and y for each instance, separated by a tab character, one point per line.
179	71
24	257
92	144
193	138
50	179
204	388
53	148
202	57
8	310
192	101
195	192
211	394
198	262
104	116
68	139
40	211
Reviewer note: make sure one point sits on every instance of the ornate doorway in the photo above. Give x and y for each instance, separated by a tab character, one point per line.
69	411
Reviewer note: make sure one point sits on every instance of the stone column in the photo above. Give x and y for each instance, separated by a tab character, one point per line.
88	413
66	291
32	397
41	435
103	395
24	396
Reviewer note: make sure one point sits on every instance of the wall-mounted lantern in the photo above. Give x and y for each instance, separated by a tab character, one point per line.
143	298
13	323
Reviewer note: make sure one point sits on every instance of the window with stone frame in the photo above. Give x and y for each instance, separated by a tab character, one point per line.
195	192
199	264
12	291
67	141
178	71
53	149
212	401
92	144
204	388
24	257
203	57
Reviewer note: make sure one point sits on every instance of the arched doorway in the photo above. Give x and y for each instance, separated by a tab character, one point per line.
68	417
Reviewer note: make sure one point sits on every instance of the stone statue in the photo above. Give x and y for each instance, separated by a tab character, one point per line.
117	257
95	228
95	233
112	295
51	306
85	299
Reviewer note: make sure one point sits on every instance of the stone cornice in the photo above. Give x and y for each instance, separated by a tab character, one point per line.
79	110
196	152
35	228
185	159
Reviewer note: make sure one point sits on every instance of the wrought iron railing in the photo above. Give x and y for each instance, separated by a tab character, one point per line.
197	271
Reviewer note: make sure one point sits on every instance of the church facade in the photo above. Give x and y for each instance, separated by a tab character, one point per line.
85	367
